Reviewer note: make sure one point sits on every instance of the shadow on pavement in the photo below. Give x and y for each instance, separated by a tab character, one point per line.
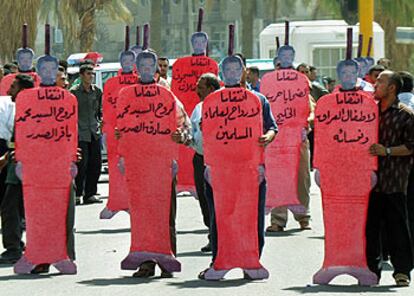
197	231
119	281
29	276
193	254
322	237
104	231
342	289
289	232
211	284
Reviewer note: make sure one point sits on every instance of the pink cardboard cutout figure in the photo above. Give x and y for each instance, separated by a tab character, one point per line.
346	124
232	124
185	74
118	194
7	81
146	119
288	93
46	146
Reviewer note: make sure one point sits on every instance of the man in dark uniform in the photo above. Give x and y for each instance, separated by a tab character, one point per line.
90	117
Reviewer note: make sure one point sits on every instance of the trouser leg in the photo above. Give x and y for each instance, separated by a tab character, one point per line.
70	222
3	172
261	216
198	164
173	214
304	183
82	165
93	168
373	231
213	224
396	226
11	217
410	205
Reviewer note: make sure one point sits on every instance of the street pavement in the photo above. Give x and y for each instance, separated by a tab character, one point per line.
292	257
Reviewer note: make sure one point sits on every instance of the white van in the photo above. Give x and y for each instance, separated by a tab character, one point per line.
320	43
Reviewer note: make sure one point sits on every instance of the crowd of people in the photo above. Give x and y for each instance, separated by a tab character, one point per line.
391	202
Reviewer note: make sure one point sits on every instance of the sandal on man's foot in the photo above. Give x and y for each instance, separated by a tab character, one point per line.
147	269
275	228
402	280
41	268
166	274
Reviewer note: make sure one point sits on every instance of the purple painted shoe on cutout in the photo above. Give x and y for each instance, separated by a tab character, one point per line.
364	276
107	213
23	266
66	266
256	274
166	262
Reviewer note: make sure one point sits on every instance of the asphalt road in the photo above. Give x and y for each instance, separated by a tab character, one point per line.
292	257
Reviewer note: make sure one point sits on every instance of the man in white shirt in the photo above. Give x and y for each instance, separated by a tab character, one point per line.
6	130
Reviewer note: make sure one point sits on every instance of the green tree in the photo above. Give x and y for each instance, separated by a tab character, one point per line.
13	14
77	18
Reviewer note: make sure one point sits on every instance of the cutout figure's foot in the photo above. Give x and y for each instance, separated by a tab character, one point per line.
364	276
256	274
211	274
23	266
66	266
167	263
107	213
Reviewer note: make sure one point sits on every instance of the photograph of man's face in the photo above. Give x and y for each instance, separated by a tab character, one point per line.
25	59
347	74
286	56
146	66
199	42
232	69
47	70
127	61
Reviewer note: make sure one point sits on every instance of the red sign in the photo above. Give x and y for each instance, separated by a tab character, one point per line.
232	125
346	125
185	74
146	118
46	145
118	198
7	81
288	93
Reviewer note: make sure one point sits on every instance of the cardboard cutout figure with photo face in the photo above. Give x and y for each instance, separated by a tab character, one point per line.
346	125
230	138
46	126
146	118
232	70
127	61
286	56
288	93
146	66
46	147
347	72
185	73
118	194
24	57
47	68
199	41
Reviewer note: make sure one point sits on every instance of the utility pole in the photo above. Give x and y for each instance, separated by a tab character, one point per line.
366	23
